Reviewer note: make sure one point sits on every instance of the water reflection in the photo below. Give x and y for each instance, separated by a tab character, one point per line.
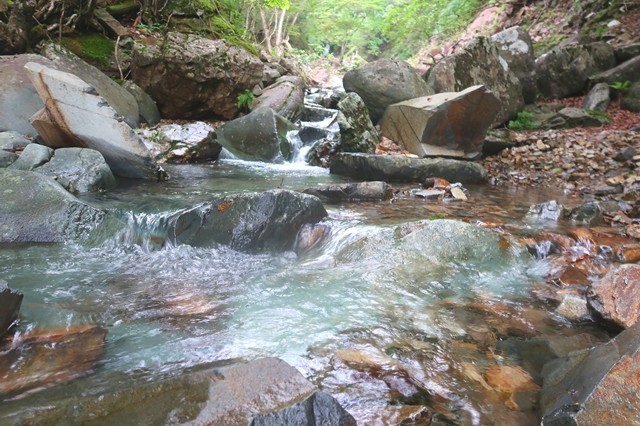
393	318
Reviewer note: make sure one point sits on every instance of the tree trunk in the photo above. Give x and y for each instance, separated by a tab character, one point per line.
266	30
279	33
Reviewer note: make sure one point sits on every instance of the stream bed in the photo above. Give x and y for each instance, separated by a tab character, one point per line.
406	309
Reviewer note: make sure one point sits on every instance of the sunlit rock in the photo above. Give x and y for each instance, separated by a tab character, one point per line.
446	124
77	116
516	48
616	297
357	133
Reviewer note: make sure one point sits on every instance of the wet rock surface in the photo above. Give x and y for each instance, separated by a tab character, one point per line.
10	301
79	170
249	221
615	298
363	191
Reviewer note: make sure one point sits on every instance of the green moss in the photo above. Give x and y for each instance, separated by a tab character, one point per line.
602	116
92	47
124	8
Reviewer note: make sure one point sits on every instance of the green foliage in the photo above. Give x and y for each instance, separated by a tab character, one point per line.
621	86
154	27
524	121
245	99
436	216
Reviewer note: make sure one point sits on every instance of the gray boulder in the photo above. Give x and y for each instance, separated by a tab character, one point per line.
13	141
615	298
480	63
116	96
10	301
37	209
7	158
149	112
626	52
631	99
626	71
223	393
595	387
385	82
285	96
400	168
79	170
33	155
193	77
516	47
248	222
193	142
258	136
598	98
361	191
578	117
357	133
76	115
565	71
18	98
446	124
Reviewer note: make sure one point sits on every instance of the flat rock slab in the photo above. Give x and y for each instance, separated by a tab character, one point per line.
399	168
361	191
616	297
75	108
451	124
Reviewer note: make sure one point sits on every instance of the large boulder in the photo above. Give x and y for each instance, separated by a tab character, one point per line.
385	82
285	96
118	98
631	99
626	71
36	209
249	221
79	170
615	298
18	98
75	115
600	386
598	98
400	168
480	63
10	301
265	391
259	136
357	133
193	77
565	71
446	124
516	47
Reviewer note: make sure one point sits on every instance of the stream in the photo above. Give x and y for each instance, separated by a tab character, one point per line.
394	322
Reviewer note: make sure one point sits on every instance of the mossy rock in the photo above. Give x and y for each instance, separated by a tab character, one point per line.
93	48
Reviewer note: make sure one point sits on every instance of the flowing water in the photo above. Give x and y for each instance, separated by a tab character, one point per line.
384	313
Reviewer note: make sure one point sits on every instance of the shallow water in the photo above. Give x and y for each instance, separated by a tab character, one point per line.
375	314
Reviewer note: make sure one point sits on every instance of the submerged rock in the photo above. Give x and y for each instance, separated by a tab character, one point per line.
258	136
399	168
249	221
36	209
10	301
384	82
600	386
44	358
265	391
446	124
75	115
362	191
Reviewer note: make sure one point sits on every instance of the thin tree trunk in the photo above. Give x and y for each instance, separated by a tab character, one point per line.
265	29
279	32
